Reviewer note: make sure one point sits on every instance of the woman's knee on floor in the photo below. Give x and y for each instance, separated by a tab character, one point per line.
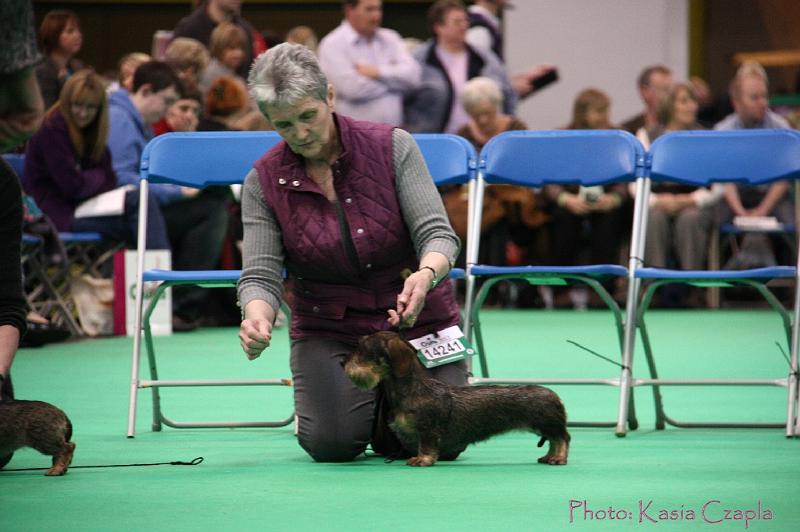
332	445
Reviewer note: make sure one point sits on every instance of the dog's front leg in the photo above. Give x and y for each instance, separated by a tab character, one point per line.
427	451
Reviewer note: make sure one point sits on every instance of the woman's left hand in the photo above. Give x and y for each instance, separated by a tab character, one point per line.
412	299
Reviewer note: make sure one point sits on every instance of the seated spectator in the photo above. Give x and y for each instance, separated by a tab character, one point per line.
226	103
751	111
127	66
189	59
227	50
303	35
181	116
510	213
60	38
448	62
750	99
681	216
68	162
208	15
483	101
512	221
587	223
196	221
653	82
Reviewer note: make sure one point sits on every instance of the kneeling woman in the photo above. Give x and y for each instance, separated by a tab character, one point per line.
350	211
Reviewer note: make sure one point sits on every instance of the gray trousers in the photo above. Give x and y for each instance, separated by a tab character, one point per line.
686	232
334	417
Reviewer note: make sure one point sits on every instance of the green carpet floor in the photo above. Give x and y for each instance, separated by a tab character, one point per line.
260	479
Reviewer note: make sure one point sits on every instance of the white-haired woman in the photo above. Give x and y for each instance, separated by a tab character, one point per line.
511	214
351	213
483	101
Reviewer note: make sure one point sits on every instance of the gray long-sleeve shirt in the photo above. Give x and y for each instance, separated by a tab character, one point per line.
420	203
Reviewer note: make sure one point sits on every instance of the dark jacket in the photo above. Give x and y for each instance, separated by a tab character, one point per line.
57	179
198	25
427	109
50	84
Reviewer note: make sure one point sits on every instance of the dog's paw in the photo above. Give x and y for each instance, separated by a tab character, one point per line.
553	460
56	471
421	461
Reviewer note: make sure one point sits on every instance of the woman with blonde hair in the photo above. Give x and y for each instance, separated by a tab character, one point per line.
68	162
587	223
681	216
590	110
126	68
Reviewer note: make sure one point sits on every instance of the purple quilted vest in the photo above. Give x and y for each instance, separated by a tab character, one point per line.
332	293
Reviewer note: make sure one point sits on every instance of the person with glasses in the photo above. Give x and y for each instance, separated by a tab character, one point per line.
197	221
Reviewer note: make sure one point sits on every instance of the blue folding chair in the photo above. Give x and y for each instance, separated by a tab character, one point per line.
17	163
203	159
535	159
87	253
451	160
194	160
701	158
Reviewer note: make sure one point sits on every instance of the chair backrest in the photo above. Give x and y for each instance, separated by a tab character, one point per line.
581	157
751	156
450	159
223	158
17	163
204	158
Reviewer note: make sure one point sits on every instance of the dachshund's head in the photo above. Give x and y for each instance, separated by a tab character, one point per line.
379	356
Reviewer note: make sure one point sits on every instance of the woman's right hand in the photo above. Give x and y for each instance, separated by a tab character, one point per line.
255	336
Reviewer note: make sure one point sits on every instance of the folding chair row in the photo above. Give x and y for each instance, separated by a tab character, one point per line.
49	284
224	158
588	158
702	158
43	293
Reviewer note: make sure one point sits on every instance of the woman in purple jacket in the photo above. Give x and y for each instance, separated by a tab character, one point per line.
350	211
68	162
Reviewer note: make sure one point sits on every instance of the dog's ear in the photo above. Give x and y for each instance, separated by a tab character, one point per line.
401	356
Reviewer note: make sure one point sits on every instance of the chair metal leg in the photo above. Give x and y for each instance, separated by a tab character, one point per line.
628	343
648	352
792	419
661	416
159	419
151	355
629	415
477	331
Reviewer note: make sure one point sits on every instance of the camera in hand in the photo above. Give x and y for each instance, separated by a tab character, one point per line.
539	82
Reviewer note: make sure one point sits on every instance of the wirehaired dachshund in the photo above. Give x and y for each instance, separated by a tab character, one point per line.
39	425
437	420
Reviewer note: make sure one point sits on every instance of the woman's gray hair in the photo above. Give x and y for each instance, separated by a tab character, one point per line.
479	90
286	74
